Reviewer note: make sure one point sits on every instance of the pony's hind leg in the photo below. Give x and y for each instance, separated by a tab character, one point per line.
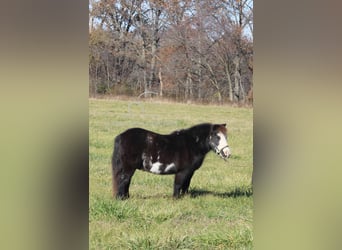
122	180
116	166
121	172
114	185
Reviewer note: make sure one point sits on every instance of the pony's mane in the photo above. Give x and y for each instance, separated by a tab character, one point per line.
202	128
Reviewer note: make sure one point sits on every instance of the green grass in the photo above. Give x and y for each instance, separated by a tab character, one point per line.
218	212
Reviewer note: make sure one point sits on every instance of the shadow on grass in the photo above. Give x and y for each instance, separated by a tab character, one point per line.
196	192
237	192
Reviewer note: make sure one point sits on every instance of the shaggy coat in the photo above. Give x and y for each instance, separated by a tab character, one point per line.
181	153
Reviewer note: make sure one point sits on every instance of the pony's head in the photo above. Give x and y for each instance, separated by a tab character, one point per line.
218	140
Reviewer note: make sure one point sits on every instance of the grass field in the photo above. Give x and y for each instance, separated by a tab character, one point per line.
218	212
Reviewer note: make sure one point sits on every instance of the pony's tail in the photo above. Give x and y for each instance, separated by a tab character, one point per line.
116	165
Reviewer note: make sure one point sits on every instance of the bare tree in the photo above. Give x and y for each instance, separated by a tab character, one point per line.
184	49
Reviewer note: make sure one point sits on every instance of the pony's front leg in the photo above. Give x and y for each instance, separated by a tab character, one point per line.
182	182
186	183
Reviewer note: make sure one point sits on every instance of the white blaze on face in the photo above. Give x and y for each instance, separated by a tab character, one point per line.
223	144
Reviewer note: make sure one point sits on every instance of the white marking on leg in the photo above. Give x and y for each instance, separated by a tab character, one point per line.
156	167
169	167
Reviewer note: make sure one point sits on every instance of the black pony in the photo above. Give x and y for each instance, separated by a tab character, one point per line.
180	153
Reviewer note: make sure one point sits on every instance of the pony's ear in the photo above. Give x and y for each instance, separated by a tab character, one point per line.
216	127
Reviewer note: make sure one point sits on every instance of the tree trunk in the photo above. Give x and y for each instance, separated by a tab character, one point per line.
237	79
189	80
229	81
153	65
154	46
143	59
242	90
142	45
161	82
108	82
199	39
96	80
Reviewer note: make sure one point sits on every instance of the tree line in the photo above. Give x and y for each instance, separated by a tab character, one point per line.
184	50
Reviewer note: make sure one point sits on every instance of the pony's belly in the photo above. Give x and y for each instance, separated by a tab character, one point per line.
161	168
158	167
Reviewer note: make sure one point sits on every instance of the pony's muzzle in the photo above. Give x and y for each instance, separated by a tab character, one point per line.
225	152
